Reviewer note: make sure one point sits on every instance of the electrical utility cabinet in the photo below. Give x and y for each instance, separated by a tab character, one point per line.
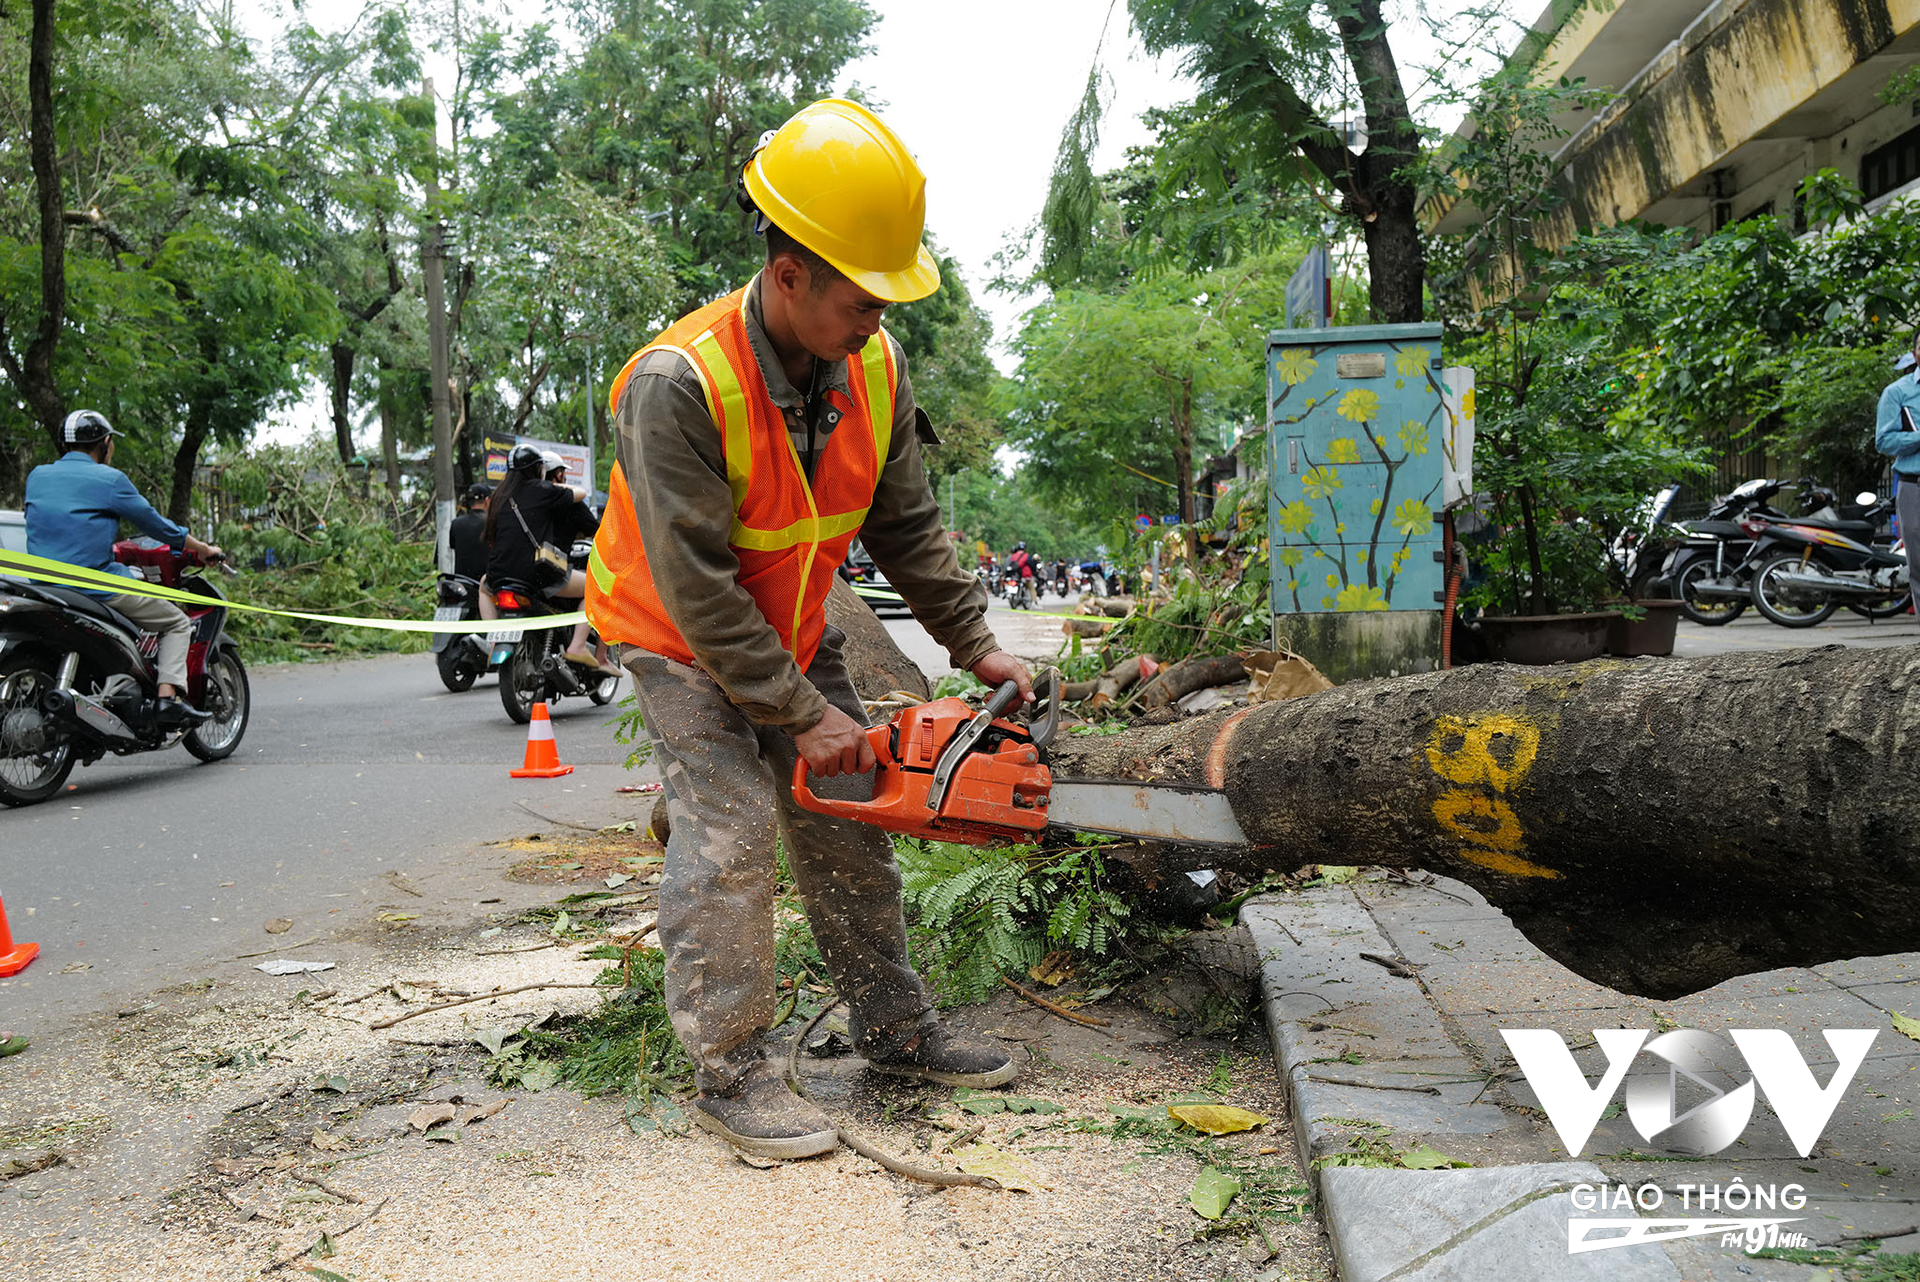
1364	452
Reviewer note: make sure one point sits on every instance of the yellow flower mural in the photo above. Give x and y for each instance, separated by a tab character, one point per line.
1411	360
1411	517
1360	405
1290	557
1413	437
1295	517
1321	482
1359	596
1296	365
1343	449
1467	403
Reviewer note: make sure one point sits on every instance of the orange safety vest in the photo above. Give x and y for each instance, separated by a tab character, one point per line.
790	537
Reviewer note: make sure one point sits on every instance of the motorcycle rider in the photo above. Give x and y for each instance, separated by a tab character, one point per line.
1897	433
468	537
553	514
1020	562
74	510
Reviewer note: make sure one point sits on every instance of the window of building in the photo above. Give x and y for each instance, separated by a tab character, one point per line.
1891	166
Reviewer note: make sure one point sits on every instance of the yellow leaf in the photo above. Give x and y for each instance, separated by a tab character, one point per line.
396	917
1014	1173
1906	1024
1053	970
1216	1119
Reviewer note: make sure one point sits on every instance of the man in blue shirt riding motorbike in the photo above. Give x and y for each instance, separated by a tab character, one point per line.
74	510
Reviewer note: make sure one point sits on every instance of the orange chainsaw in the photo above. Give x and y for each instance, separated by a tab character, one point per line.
948	773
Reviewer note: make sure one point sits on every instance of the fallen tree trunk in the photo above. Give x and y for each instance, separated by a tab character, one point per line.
1657	826
875	663
1121	677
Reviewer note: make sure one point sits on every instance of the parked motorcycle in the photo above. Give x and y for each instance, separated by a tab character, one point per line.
533	664
1804	571
1709	568
462	658
77	679
1091	576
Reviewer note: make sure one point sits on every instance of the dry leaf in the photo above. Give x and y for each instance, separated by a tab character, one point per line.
1013	1172
1216	1119
398	919
1906	1024
330	1143
431	1115
279	925
471	1113
1053	970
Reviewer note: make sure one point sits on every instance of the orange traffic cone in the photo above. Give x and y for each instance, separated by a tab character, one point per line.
543	755
13	957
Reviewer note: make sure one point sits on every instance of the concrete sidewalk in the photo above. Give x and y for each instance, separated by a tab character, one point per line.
1382	1059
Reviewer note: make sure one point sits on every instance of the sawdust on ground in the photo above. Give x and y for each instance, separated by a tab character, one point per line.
185	1122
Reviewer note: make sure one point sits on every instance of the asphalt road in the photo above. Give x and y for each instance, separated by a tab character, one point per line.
147	867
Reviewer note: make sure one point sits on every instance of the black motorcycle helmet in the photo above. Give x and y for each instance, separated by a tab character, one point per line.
86	427
525	458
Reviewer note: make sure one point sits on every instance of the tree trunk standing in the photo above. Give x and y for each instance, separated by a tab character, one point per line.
339	388
33	376
1655	826
186	459
1396	258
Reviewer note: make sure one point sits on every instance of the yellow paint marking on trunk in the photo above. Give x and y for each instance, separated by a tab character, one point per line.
1484	756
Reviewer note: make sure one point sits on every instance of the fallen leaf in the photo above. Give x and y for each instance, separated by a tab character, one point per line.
471	1113
338	1085
286	966
445	1135
26	1163
539	1076
618	880
74	968
1013	1172
1212	1192
1053	970
428	1116
1216	1119
279	925
398	919
1906	1024
1424	1157
494	1038
330	1143
628	826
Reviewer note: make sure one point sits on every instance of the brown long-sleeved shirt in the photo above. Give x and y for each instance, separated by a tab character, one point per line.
670	452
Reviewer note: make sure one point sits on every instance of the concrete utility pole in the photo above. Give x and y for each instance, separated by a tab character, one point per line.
593	471
433	255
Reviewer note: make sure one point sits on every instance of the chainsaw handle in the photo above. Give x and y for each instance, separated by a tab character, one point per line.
1003	698
1048	688
877	739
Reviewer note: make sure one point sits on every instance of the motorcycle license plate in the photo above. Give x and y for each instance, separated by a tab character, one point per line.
496	638
446	614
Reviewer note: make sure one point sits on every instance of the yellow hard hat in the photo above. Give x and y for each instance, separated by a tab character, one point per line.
840	182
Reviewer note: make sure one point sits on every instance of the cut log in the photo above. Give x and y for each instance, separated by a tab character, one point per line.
1113	607
1075	691
1121	677
875	663
1654	825
1183	678
1085	627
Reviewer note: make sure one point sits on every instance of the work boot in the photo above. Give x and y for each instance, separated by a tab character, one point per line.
935	1054
177	714
762	1116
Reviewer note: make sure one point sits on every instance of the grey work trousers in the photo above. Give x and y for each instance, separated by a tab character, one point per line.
729	795
1907	506
175	631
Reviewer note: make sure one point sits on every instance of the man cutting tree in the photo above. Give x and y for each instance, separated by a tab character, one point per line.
758	437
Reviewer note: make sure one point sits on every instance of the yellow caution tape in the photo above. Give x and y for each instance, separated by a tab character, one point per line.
61	574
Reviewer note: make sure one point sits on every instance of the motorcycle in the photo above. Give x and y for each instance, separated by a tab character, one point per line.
462	658
1019	590
532	661
77	679
1091	576
1062	582
1711	567
1804	571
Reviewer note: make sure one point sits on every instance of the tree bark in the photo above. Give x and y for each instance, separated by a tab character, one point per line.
875	663
1183	678
33	376
185	459
1657	826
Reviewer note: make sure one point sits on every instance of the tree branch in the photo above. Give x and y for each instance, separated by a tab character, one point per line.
96	222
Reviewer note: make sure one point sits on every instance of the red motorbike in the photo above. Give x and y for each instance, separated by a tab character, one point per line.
77	679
